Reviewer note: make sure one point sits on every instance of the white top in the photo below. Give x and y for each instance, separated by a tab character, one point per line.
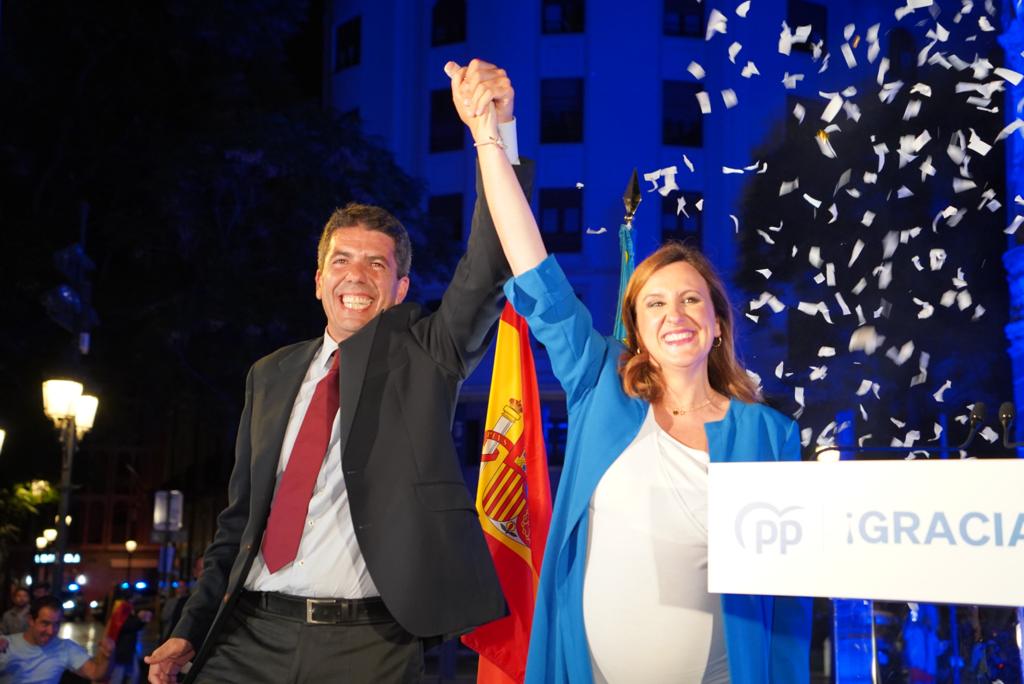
329	563
646	607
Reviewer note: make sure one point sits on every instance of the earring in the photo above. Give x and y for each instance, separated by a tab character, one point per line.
717	343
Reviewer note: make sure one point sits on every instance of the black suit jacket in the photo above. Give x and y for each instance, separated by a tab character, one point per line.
414	519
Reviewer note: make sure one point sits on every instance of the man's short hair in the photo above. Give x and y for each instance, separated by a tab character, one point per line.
49	601
22	588
370	217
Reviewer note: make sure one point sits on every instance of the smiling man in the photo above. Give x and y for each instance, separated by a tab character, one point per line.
39	656
350	541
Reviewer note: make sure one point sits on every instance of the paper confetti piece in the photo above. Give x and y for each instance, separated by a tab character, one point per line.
938	394
743	8
591	231
696	70
729	98
750	69
717	23
704	101
734	50
866	339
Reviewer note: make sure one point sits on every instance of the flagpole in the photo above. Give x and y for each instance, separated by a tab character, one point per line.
631	199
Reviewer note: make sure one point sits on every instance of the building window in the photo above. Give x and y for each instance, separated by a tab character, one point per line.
902	55
683	18
561	110
347	44
802	13
561	218
446	214
448	23
676	225
445	127
562	16
681	120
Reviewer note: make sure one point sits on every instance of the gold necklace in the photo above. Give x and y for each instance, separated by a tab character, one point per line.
683	412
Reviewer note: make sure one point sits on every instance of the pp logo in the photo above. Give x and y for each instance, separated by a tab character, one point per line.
767	527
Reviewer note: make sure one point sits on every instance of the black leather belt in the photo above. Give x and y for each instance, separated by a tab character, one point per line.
313	611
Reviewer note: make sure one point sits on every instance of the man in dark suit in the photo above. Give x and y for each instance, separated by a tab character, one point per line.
349	537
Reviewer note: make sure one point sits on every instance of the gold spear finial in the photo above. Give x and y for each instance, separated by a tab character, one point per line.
631	198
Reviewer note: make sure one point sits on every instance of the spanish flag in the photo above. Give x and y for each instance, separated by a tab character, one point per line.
513	500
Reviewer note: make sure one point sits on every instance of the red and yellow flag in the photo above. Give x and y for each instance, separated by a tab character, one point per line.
513	500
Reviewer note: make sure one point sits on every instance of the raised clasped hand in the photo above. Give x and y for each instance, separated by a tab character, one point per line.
483	97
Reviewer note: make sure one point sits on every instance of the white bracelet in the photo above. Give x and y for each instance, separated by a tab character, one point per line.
491	140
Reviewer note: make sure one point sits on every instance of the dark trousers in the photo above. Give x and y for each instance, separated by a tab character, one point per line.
258	646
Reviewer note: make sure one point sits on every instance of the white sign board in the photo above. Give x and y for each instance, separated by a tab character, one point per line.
944	531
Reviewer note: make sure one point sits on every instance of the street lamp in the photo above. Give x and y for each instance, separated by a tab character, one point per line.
73	414
49	534
3	433
41	543
130	547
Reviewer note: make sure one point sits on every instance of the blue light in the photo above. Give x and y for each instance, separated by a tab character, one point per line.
140	585
124	585
175	584
73	587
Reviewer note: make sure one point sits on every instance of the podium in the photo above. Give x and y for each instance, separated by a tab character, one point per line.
922	531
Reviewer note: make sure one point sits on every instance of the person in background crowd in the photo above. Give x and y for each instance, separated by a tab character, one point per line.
40	589
39	656
123	630
15	620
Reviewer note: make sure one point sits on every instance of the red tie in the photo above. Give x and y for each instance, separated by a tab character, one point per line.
291	501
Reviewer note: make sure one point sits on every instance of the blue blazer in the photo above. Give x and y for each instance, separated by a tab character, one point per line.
767	638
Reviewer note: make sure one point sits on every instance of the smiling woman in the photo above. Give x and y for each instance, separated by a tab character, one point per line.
628	539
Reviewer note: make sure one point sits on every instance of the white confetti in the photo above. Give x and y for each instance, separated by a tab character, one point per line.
1014	225
989	435
963	184
835	103
851	61
717	23
921	89
696	70
926	309
900	356
743	8
734	50
813	202
799	112
789	186
704	101
825	352
778	370
938	394
912	110
922	366
865	339
977	144
750	69
736	222
1009	75
1015	125
936	258
790	80
904	192
689	164
766	272
818	373
591	231
579	186
868	219
729	98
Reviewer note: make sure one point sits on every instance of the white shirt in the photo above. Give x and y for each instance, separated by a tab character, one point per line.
646	608
329	563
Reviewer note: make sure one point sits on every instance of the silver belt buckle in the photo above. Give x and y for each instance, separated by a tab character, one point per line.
310	604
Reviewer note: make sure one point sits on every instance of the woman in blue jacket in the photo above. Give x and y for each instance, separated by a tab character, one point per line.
623	588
